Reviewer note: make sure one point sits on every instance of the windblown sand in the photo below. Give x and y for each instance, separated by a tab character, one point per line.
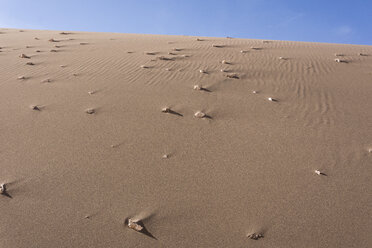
284	158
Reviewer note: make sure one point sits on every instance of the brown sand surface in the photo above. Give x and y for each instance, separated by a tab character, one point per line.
98	148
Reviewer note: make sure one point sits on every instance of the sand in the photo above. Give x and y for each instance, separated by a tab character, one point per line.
91	155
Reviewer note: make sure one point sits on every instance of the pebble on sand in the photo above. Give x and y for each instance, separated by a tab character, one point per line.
340	60
272	99
254	92
132	224
30	63
3	189
53	50
202	71
234	76
165	156
243	51
199	114
318	172
53	40
144	67
166	110
197	87
90	111
255	236
35	107
24	56
218	46
225	62
21	77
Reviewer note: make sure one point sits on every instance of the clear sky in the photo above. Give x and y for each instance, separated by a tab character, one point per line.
335	21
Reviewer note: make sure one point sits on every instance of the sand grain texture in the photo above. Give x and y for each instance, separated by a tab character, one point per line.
245	178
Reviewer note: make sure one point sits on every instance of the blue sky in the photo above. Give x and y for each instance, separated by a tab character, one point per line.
334	21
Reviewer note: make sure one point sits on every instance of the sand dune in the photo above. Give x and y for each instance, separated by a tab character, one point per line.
129	140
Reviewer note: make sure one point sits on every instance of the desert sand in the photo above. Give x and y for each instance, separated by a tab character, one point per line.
130	140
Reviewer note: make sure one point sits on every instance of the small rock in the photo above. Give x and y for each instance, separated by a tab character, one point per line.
35	107
90	111
340	60
166	110
134	225
199	114
234	76
197	87
24	56
3	188
255	236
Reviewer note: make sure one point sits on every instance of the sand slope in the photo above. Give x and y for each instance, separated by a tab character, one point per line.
249	168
